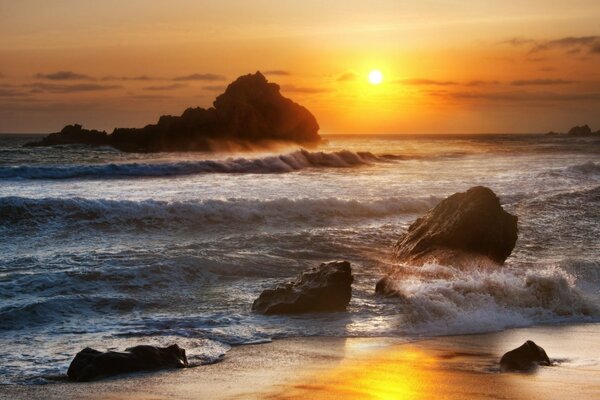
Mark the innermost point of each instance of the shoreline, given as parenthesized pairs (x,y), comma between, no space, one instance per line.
(452,367)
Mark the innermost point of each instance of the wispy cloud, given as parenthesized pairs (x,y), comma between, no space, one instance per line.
(524,97)
(425,82)
(12,91)
(215,88)
(347,76)
(143,78)
(477,82)
(62,88)
(277,72)
(173,86)
(301,89)
(63,76)
(570,44)
(542,82)
(200,77)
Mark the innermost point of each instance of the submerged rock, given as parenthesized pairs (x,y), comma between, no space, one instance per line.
(251,112)
(90,364)
(524,358)
(462,228)
(327,287)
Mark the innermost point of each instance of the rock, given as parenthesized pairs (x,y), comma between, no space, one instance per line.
(74,134)
(251,113)
(460,229)
(319,289)
(90,364)
(524,358)
(583,130)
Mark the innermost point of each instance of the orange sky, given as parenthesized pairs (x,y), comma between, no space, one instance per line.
(449,66)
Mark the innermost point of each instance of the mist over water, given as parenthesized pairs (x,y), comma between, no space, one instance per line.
(107,250)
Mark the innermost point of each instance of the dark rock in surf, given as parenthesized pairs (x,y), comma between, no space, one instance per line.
(251,112)
(90,364)
(327,287)
(524,358)
(465,227)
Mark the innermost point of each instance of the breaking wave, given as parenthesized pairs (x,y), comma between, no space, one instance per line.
(295,161)
(446,300)
(114,214)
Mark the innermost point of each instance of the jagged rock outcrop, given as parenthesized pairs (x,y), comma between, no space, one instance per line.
(251,112)
(524,358)
(327,287)
(90,364)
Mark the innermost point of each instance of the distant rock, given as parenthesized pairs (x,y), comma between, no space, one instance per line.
(90,364)
(463,226)
(319,289)
(71,134)
(524,358)
(251,113)
(583,130)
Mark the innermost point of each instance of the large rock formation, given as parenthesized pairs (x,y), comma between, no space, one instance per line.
(469,224)
(323,288)
(90,364)
(524,358)
(251,112)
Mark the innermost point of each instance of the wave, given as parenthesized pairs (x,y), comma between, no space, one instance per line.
(116,214)
(439,300)
(295,161)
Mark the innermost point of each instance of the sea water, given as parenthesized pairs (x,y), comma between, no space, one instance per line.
(107,249)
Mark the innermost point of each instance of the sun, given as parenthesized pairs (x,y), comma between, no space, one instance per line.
(375,77)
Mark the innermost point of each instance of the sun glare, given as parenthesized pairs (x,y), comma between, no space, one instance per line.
(375,77)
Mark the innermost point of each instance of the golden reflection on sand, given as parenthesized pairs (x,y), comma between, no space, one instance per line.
(393,372)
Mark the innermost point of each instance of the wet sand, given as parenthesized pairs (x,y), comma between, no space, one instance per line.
(451,367)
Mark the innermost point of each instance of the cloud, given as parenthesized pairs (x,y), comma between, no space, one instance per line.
(63,76)
(56,88)
(11,91)
(347,76)
(200,77)
(518,41)
(570,44)
(299,89)
(425,82)
(278,72)
(541,82)
(150,96)
(144,78)
(215,88)
(525,97)
(173,86)
(481,83)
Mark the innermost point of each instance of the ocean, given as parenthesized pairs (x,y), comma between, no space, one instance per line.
(105,249)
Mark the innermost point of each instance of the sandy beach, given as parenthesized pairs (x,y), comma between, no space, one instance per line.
(451,367)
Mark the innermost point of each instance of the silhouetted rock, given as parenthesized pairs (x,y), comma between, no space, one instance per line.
(323,288)
(465,225)
(90,364)
(580,131)
(251,112)
(74,134)
(524,358)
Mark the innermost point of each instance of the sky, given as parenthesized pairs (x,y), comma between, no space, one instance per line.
(473,66)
